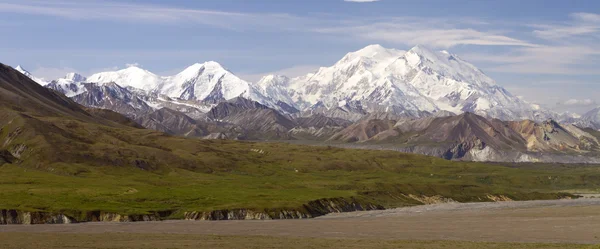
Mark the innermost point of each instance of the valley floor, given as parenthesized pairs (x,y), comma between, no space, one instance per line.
(528,224)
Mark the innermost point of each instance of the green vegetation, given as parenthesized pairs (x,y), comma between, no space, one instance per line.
(77,167)
(57,157)
(73,166)
(175,241)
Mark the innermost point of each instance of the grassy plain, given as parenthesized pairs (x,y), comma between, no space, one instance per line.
(73,165)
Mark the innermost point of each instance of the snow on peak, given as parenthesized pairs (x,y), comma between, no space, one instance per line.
(197,69)
(22,70)
(360,76)
(273,79)
(415,81)
(371,52)
(75,77)
(135,70)
(421,49)
(376,78)
(208,81)
(276,87)
(213,65)
(422,54)
(132,76)
(70,85)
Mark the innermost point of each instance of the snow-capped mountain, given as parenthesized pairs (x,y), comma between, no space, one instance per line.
(590,119)
(207,82)
(403,82)
(193,91)
(132,76)
(361,76)
(277,88)
(414,83)
(113,97)
(40,81)
(70,85)
(129,101)
(74,77)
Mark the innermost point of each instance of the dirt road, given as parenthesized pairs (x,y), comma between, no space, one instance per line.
(560,221)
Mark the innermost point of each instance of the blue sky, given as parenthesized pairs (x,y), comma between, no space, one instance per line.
(546,51)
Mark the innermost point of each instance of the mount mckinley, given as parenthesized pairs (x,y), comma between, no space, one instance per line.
(371,97)
(414,83)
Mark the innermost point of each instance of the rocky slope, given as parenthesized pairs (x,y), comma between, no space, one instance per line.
(18,217)
(32,77)
(173,122)
(590,119)
(70,85)
(317,127)
(112,97)
(310,210)
(257,120)
(472,137)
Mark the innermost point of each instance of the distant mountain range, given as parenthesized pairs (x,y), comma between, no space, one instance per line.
(422,101)
(414,83)
(472,137)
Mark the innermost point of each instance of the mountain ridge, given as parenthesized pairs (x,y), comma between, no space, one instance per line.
(418,82)
(466,136)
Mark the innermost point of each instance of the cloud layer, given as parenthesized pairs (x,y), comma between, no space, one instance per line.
(578,102)
(542,48)
(566,47)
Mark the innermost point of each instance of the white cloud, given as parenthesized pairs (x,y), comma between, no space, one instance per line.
(581,24)
(135,64)
(547,59)
(52,73)
(361,1)
(578,102)
(434,32)
(437,33)
(569,47)
(111,11)
(553,32)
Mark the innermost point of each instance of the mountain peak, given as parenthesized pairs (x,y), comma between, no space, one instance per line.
(132,76)
(423,51)
(370,55)
(373,47)
(212,64)
(373,50)
(197,69)
(274,78)
(31,97)
(134,68)
(74,77)
(22,70)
